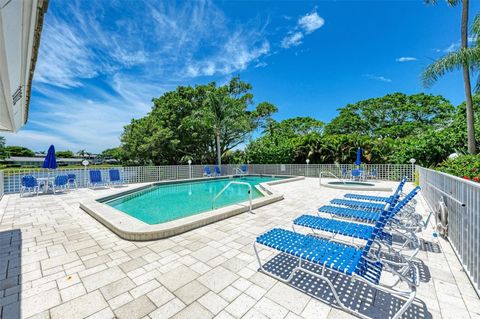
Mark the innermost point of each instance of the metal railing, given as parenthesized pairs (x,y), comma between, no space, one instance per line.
(144,174)
(328,173)
(462,199)
(250,193)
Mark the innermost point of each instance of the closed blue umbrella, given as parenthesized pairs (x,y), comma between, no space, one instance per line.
(358,161)
(50,160)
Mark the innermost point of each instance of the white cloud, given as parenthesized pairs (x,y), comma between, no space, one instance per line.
(406,59)
(234,55)
(73,122)
(454,46)
(378,78)
(305,25)
(261,64)
(292,40)
(311,22)
(65,57)
(94,74)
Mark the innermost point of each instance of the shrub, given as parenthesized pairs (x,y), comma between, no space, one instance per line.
(465,166)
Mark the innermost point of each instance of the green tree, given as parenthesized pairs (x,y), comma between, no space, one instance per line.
(3,152)
(282,141)
(19,151)
(111,153)
(394,115)
(465,59)
(64,154)
(219,106)
(188,122)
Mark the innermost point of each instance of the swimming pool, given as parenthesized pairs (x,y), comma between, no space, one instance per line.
(168,208)
(161,203)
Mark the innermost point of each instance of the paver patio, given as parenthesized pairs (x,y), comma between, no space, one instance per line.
(58,262)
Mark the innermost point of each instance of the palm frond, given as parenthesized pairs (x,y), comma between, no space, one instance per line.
(451,3)
(476,26)
(450,62)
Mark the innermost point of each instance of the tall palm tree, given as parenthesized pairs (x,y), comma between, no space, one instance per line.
(218,102)
(465,58)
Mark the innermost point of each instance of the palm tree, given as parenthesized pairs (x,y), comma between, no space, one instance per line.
(218,103)
(465,58)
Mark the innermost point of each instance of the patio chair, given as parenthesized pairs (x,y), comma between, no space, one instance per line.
(30,183)
(322,258)
(217,170)
(373,174)
(356,174)
(352,229)
(115,177)
(60,183)
(96,178)
(72,181)
(387,199)
(364,215)
(361,204)
(244,169)
(207,171)
(344,173)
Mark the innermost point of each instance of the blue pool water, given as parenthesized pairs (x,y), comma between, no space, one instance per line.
(162,203)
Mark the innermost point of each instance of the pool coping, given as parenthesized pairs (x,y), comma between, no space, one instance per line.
(358,188)
(130,228)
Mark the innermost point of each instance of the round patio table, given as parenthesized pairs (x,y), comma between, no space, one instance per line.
(45,181)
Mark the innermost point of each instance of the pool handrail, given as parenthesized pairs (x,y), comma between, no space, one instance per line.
(239,171)
(330,173)
(227,186)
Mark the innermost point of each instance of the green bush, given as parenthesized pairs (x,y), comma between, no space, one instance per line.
(465,166)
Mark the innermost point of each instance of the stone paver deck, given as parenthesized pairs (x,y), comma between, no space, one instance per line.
(58,262)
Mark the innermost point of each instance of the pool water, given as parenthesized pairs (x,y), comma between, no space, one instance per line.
(163,203)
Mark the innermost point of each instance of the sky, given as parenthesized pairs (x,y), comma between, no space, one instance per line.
(101,62)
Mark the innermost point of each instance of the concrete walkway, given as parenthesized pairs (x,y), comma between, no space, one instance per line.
(58,262)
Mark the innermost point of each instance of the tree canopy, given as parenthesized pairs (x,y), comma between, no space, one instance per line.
(19,151)
(182,124)
(64,154)
(389,129)
(394,115)
(3,151)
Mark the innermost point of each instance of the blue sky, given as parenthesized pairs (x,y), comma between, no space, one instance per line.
(101,62)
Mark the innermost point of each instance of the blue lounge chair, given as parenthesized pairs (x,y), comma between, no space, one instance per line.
(387,199)
(72,181)
(359,204)
(115,177)
(363,215)
(207,172)
(60,183)
(359,264)
(351,229)
(96,178)
(218,172)
(28,183)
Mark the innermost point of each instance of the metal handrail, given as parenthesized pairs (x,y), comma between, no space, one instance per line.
(227,186)
(238,171)
(320,177)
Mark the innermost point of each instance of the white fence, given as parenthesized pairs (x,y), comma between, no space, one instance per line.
(142,174)
(462,198)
